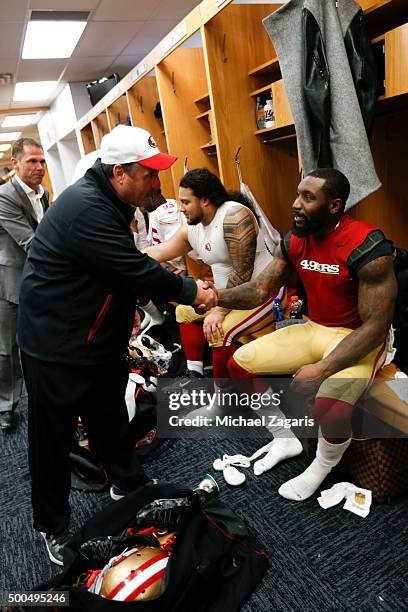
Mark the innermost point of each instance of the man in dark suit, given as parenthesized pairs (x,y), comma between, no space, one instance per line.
(23,201)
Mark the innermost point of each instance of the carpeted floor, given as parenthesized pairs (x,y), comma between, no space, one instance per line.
(320,560)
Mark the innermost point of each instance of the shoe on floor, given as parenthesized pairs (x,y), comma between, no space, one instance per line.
(190,376)
(117,493)
(186,383)
(55,545)
(6,420)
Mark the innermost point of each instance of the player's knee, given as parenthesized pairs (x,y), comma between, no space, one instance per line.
(185,314)
(235,367)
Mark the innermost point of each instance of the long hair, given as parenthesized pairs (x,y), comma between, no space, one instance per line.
(205,184)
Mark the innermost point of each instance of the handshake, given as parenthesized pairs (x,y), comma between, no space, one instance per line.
(206,298)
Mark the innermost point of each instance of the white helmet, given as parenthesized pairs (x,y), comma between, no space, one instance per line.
(144,351)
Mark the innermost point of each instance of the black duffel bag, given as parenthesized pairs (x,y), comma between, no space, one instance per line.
(215,565)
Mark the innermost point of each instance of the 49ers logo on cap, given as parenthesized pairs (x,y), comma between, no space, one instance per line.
(207,246)
(152,142)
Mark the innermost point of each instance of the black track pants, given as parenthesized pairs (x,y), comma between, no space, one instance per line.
(57,395)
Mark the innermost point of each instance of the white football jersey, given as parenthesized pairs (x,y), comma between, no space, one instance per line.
(208,241)
(165,221)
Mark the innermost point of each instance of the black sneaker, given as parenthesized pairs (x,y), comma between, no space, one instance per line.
(117,493)
(55,545)
(190,377)
(189,381)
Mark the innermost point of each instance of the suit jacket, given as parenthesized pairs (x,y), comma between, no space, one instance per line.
(324,54)
(17,226)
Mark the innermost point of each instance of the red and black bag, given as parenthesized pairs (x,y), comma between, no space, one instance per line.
(215,565)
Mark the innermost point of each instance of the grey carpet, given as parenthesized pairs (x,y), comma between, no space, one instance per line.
(320,560)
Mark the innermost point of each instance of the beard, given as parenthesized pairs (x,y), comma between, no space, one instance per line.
(193,221)
(194,218)
(307,228)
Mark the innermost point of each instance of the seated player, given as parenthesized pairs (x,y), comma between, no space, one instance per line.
(226,236)
(346,267)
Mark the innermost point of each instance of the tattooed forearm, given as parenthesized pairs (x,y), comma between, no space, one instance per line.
(246,296)
(240,237)
(256,292)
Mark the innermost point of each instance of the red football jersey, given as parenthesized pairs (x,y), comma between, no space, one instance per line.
(322,267)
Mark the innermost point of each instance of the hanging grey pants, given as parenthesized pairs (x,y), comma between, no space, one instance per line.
(11,376)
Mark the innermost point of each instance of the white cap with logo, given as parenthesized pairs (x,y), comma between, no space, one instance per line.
(126,144)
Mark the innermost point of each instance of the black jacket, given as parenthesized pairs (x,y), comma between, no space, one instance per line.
(316,80)
(82,276)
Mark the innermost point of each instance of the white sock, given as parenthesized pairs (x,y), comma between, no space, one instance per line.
(154,312)
(284,445)
(327,457)
(196,366)
(279,449)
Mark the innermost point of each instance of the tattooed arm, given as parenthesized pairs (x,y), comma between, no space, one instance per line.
(240,235)
(257,291)
(376,299)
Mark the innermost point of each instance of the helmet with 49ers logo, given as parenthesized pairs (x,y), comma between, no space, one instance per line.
(137,574)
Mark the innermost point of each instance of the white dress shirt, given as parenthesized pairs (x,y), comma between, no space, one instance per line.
(34,197)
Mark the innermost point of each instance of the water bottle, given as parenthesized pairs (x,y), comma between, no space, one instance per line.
(269,114)
(295,308)
(207,488)
(278,310)
(260,114)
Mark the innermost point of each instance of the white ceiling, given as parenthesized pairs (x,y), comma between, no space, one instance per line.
(119,33)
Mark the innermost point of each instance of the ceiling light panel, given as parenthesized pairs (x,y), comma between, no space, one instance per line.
(33,90)
(9,136)
(51,39)
(18,120)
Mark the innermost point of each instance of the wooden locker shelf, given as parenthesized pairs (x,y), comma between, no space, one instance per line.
(204,115)
(385,15)
(205,98)
(261,90)
(392,104)
(378,39)
(100,127)
(275,133)
(266,68)
(87,138)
